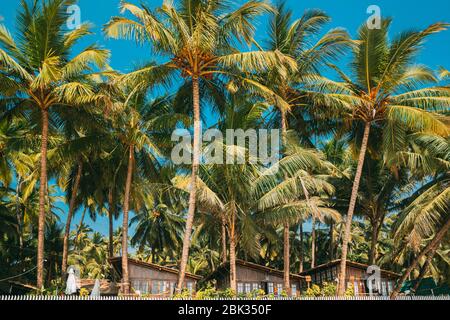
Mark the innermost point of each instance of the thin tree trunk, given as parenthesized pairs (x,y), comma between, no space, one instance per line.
(331,249)
(429,248)
(233,280)
(224,241)
(313,241)
(19,215)
(111,215)
(373,243)
(73,198)
(351,209)
(286,244)
(301,247)
(425,268)
(42,192)
(193,185)
(81,220)
(286,280)
(126,206)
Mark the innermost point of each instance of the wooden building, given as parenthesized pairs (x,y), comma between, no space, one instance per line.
(356,274)
(251,276)
(153,279)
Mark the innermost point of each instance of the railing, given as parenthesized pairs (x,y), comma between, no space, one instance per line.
(129,298)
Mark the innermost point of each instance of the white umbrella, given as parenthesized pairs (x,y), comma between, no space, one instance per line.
(96,290)
(71,285)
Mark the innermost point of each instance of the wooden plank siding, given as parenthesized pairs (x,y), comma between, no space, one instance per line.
(152,279)
(356,274)
(251,276)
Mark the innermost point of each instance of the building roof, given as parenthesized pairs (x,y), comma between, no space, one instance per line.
(225,267)
(353,264)
(116,261)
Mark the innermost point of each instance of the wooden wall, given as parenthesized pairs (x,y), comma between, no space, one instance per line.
(152,281)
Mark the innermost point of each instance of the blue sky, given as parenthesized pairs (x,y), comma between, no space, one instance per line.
(349,14)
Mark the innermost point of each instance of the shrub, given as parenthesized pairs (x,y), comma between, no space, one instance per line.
(84,292)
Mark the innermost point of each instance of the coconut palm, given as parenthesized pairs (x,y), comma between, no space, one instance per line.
(84,138)
(387,91)
(424,218)
(158,227)
(39,73)
(201,40)
(293,38)
(141,126)
(300,172)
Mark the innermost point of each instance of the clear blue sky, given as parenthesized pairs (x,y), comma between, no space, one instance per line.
(349,14)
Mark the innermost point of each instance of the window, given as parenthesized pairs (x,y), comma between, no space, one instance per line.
(323,276)
(144,287)
(313,278)
(279,289)
(190,286)
(248,287)
(255,286)
(135,284)
(383,288)
(390,287)
(294,289)
(156,287)
(172,287)
(270,287)
(240,287)
(356,288)
(334,274)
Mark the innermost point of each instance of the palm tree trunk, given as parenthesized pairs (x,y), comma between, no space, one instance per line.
(286,244)
(111,215)
(331,249)
(313,241)
(19,215)
(72,203)
(351,209)
(42,192)
(425,269)
(373,243)
(301,247)
(286,247)
(233,280)
(126,206)
(193,185)
(224,240)
(429,248)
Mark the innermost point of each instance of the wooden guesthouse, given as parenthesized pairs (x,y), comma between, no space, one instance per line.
(152,279)
(251,276)
(356,274)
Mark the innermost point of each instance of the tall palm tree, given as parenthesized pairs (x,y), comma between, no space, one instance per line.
(387,92)
(141,127)
(200,39)
(301,172)
(40,75)
(293,38)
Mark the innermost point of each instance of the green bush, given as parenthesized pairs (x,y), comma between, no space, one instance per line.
(350,292)
(328,289)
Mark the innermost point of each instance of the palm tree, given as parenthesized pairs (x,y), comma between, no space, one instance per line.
(301,172)
(293,38)
(38,73)
(158,227)
(387,92)
(141,126)
(200,39)
(424,218)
